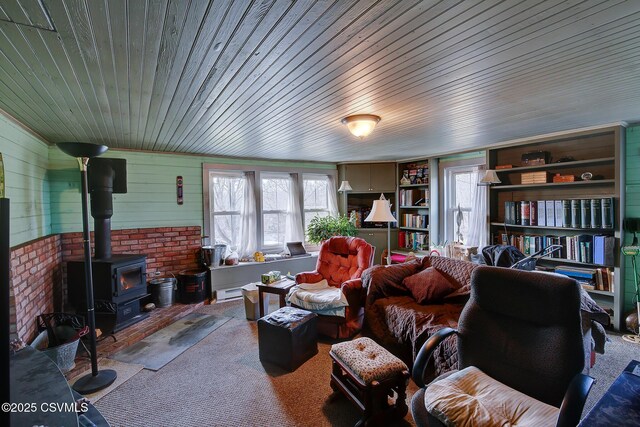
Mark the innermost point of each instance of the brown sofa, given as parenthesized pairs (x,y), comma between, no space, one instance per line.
(396,321)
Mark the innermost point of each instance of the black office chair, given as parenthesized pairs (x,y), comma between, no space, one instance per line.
(522,329)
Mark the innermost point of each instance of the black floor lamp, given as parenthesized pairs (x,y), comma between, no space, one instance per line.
(96,380)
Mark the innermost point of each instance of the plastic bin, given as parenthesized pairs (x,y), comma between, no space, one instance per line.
(250,295)
(192,286)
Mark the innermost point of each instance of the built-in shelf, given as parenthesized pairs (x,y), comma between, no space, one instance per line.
(413,185)
(593,183)
(414,207)
(562,165)
(413,229)
(542,227)
(604,293)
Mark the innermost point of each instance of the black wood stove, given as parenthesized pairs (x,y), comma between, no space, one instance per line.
(119,281)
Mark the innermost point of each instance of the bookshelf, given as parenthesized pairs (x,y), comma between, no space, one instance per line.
(414,205)
(526,178)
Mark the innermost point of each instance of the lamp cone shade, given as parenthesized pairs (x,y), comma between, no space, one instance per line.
(361,125)
(380,212)
(490,177)
(344,186)
(82,149)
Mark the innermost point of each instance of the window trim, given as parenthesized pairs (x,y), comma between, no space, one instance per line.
(208,220)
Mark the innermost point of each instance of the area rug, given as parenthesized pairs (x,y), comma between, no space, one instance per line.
(124,371)
(160,348)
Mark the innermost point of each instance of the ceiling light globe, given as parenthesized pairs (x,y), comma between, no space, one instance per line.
(361,125)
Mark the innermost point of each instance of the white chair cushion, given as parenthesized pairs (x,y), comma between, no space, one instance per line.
(472,398)
(327,300)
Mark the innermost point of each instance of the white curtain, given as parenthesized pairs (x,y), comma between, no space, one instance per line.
(332,195)
(249,218)
(478,215)
(294,231)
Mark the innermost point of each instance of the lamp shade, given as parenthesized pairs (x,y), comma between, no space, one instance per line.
(490,177)
(361,125)
(344,186)
(381,211)
(82,149)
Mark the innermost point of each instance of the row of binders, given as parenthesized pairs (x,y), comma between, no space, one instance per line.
(568,213)
(584,248)
(598,279)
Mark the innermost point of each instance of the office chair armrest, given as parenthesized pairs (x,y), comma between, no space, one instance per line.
(573,402)
(426,353)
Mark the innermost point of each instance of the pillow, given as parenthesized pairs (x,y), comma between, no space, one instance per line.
(428,286)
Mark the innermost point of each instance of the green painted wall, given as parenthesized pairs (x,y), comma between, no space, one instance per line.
(25,164)
(632,208)
(151,197)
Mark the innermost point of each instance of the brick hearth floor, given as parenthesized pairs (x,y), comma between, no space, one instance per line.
(158,319)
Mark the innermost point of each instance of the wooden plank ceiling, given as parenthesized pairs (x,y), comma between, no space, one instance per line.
(273,78)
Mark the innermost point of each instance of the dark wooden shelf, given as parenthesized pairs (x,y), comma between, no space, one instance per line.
(413,185)
(592,183)
(414,207)
(563,165)
(541,227)
(414,229)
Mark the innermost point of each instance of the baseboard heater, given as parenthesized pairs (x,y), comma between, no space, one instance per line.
(227,294)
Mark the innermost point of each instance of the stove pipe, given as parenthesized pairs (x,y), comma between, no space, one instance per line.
(106,176)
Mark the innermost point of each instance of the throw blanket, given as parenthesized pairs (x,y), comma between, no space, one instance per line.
(319,298)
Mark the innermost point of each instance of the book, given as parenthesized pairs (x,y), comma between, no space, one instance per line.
(507,213)
(575,213)
(559,214)
(596,213)
(524,213)
(585,213)
(585,242)
(566,213)
(541,210)
(517,219)
(551,215)
(606,206)
(533,213)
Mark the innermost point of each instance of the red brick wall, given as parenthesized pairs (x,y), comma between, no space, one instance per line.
(37,274)
(36,283)
(168,249)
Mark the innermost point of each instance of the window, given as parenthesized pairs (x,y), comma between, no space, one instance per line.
(316,197)
(226,199)
(275,202)
(459,183)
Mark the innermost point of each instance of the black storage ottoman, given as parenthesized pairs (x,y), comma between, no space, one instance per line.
(288,337)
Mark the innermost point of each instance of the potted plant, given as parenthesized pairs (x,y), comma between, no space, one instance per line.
(321,228)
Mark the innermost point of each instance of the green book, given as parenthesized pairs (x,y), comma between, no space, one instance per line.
(606,206)
(596,213)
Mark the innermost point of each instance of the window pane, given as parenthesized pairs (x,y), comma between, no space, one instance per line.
(274,226)
(463,190)
(227,193)
(226,229)
(308,216)
(275,193)
(315,193)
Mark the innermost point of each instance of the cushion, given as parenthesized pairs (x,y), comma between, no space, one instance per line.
(428,286)
(319,300)
(368,360)
(470,394)
(322,284)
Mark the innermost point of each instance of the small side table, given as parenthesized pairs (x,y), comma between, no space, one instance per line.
(620,405)
(281,288)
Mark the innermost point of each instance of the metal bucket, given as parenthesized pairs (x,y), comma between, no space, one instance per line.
(213,256)
(162,291)
(62,355)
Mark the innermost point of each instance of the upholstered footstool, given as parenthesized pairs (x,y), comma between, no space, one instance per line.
(288,337)
(369,375)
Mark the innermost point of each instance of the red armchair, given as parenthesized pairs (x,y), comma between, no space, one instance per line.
(341,262)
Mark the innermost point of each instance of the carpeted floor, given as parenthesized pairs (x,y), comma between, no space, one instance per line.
(221,382)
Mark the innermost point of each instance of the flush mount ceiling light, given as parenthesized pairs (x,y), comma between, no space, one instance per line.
(361,125)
